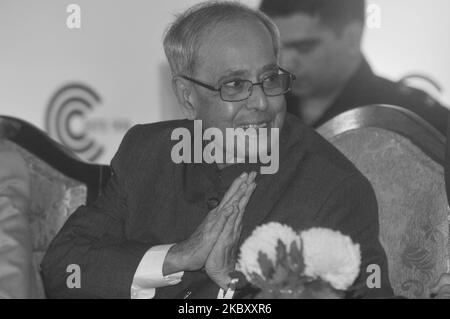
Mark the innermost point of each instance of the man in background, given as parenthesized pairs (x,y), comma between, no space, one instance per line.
(321,44)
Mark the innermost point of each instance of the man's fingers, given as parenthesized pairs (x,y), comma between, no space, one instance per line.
(251,178)
(234,188)
(245,199)
(225,217)
(238,223)
(238,188)
(236,197)
(217,223)
(219,218)
(242,205)
(231,231)
(232,220)
(229,224)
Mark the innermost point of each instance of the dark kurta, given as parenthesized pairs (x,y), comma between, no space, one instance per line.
(366,88)
(151,201)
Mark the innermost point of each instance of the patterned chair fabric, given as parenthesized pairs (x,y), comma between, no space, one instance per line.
(54,195)
(53,198)
(413,208)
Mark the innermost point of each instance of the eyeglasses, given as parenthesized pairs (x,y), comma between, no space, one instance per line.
(240,90)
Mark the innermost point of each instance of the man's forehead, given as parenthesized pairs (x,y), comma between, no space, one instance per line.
(217,71)
(234,49)
(244,70)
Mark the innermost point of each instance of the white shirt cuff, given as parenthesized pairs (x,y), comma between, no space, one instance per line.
(229,293)
(225,295)
(149,274)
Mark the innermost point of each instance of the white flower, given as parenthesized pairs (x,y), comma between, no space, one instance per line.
(331,256)
(265,239)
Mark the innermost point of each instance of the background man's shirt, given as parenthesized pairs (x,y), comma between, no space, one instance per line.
(366,88)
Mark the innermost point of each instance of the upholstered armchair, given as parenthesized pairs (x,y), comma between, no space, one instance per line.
(60,182)
(402,156)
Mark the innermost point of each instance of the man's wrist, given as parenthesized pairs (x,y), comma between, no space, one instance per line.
(149,274)
(174,261)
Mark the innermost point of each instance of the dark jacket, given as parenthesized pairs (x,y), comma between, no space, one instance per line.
(150,201)
(366,88)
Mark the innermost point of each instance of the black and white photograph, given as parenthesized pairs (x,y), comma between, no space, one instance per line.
(237,151)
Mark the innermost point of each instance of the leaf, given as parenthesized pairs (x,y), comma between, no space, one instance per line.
(265,264)
(281,251)
(282,257)
(296,257)
(280,277)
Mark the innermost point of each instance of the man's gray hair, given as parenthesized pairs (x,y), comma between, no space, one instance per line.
(182,38)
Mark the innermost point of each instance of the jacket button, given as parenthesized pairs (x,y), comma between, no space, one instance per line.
(212,203)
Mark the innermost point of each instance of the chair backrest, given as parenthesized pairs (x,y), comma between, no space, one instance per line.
(403,157)
(60,182)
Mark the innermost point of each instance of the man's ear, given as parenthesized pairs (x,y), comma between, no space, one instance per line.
(352,36)
(183,91)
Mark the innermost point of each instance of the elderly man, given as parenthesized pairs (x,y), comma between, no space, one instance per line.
(321,43)
(169,229)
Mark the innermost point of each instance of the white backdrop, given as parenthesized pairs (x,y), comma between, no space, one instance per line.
(117,54)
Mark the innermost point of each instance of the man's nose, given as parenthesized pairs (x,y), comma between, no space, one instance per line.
(257,99)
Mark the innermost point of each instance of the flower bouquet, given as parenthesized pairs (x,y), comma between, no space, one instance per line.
(282,264)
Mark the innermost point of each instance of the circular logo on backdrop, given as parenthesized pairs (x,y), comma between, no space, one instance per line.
(65,117)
